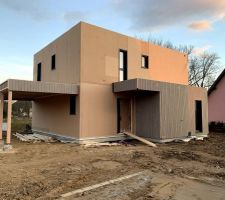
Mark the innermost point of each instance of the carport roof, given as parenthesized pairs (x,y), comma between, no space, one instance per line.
(30,90)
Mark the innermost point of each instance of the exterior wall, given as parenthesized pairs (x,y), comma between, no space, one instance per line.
(88,55)
(67,51)
(177,107)
(100,68)
(195,93)
(216,102)
(100,63)
(98,110)
(173,111)
(52,115)
(148,115)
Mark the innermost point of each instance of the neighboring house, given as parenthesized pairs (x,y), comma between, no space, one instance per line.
(92,83)
(216,99)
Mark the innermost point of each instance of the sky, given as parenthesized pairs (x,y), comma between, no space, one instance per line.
(26,26)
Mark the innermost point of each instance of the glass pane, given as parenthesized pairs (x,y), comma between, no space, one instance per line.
(121,60)
(143,61)
(121,75)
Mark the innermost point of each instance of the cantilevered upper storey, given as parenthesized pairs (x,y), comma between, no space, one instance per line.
(91,54)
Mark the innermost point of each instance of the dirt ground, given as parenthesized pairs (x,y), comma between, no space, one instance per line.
(194,170)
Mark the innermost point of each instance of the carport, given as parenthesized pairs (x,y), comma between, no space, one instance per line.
(28,91)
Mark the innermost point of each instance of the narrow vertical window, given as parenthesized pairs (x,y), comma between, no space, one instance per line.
(39,72)
(122,65)
(72,105)
(53,62)
(144,62)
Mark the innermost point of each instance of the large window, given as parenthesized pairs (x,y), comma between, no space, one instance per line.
(144,61)
(39,72)
(72,105)
(123,65)
(53,62)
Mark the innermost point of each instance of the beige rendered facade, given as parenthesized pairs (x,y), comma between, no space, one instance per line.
(122,84)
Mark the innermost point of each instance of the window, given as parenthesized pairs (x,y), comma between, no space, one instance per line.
(39,72)
(72,105)
(122,65)
(144,62)
(53,62)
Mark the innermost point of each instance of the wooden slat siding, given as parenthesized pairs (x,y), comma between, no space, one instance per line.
(176,105)
(4,85)
(42,87)
(148,115)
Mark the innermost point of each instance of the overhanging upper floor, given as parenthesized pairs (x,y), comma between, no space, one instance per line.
(145,85)
(31,90)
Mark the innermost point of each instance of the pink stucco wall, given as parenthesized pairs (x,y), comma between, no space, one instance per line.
(217,102)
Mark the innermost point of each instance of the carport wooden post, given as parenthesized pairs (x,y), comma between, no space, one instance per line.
(1,113)
(9,116)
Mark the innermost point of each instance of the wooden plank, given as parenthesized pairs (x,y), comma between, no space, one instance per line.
(9,118)
(1,113)
(140,139)
(100,185)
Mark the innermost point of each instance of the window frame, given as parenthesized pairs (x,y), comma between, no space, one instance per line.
(53,62)
(72,104)
(146,61)
(124,68)
(39,71)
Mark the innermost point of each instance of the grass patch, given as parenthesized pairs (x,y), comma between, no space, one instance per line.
(19,124)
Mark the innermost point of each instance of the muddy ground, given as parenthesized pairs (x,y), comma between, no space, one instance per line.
(194,170)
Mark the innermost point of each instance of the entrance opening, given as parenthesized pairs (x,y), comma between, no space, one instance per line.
(123,115)
(198,116)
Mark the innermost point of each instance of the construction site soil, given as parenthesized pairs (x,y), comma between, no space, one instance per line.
(194,170)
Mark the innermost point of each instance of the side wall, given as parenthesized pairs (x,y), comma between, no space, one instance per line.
(195,93)
(67,51)
(216,102)
(52,115)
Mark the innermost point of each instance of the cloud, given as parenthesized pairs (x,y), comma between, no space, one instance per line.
(72,16)
(200,50)
(32,8)
(146,15)
(201,25)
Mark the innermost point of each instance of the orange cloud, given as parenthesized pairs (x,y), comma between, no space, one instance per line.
(201,25)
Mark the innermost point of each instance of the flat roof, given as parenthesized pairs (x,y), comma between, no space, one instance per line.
(147,85)
(30,90)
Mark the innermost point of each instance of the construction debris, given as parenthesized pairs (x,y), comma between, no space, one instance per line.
(140,139)
(98,144)
(34,138)
(189,138)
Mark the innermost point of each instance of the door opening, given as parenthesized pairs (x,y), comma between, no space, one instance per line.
(123,115)
(198,116)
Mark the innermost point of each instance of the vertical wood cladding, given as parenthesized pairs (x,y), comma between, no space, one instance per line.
(176,108)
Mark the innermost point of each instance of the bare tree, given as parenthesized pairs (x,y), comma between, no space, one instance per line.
(203,68)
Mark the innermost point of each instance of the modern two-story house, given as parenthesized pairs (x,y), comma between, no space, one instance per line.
(94,84)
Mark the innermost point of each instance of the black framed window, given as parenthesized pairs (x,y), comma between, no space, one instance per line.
(73,105)
(144,61)
(122,65)
(53,62)
(39,72)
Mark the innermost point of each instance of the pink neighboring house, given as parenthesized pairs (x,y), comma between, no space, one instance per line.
(216,99)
